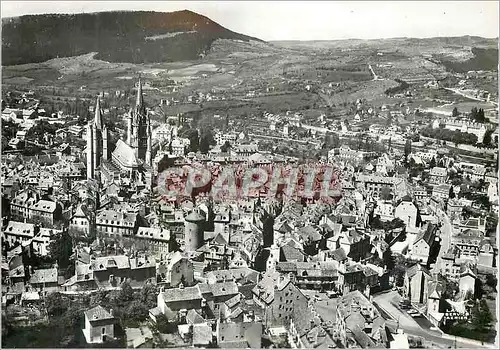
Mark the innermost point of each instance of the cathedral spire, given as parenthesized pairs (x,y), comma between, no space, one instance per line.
(98,114)
(139,101)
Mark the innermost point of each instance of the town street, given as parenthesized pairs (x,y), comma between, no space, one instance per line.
(446,234)
(387,301)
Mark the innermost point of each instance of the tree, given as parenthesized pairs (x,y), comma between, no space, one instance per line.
(480,116)
(164,326)
(482,317)
(41,128)
(491,281)
(487,137)
(126,293)
(478,289)
(99,298)
(407,148)
(56,304)
(432,163)
(173,245)
(225,147)
(148,295)
(192,135)
(204,145)
(61,249)
(137,311)
(450,287)
(388,259)
(451,194)
(385,193)
(454,113)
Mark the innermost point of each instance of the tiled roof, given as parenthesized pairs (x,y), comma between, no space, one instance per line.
(339,254)
(438,171)
(202,334)
(225,288)
(412,271)
(153,233)
(20,229)
(310,233)
(44,276)
(232,274)
(98,313)
(112,217)
(292,253)
(184,294)
(194,317)
(125,155)
(428,235)
(117,261)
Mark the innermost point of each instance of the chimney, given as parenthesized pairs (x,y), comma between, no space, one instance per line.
(111,312)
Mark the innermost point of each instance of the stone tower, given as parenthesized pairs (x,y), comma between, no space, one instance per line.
(193,231)
(138,128)
(95,142)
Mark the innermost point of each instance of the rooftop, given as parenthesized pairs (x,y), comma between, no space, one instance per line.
(98,313)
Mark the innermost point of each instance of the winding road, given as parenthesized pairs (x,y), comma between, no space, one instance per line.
(375,76)
(387,301)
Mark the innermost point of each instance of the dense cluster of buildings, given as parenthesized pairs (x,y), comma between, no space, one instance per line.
(233,271)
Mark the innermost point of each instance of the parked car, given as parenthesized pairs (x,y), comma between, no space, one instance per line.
(332,294)
(413,312)
(405,304)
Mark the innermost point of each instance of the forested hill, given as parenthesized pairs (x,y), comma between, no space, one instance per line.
(135,37)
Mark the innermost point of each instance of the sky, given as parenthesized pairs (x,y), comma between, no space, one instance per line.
(308,20)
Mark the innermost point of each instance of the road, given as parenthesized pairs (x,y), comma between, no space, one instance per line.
(387,302)
(446,234)
(325,307)
(375,76)
(460,92)
(284,139)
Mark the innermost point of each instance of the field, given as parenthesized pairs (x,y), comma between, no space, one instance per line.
(465,107)
(248,78)
(481,59)
(368,90)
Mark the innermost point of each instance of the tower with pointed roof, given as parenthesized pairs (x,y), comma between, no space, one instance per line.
(138,126)
(96,139)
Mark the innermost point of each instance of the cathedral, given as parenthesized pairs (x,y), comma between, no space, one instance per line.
(130,161)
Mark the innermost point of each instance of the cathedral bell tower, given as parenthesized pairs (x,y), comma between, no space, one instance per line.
(138,128)
(96,139)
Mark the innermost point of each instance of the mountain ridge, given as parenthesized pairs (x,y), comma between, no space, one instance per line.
(117,36)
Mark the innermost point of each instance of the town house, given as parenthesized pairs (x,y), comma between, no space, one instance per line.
(282,303)
(99,325)
(416,284)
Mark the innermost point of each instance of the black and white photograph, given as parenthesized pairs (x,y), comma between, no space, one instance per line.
(249,174)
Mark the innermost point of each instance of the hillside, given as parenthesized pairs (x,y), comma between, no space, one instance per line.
(134,37)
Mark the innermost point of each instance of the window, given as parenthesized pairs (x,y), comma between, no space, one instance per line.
(103,330)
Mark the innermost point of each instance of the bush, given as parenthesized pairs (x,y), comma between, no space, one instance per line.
(491,281)
(164,326)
